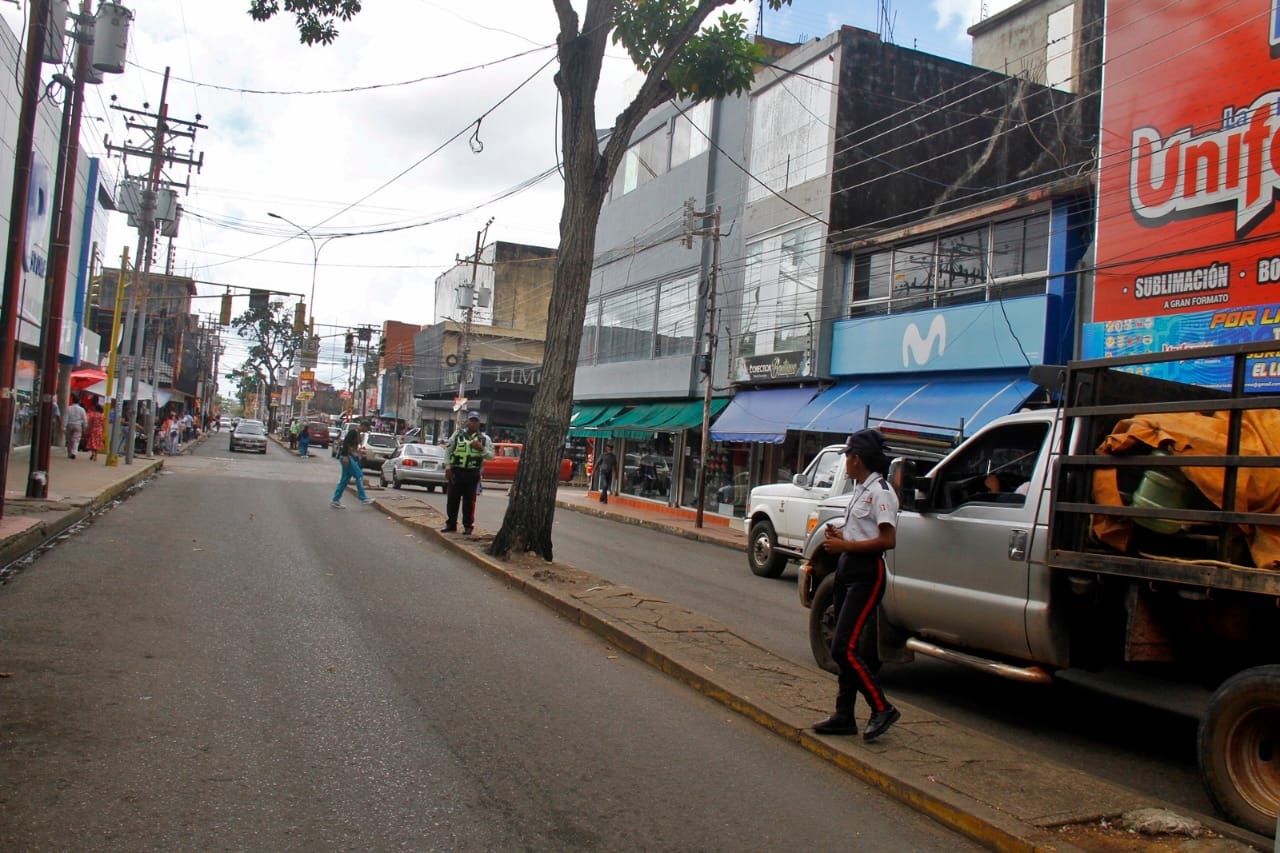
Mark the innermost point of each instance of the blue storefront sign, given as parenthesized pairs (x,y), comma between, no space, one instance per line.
(982,336)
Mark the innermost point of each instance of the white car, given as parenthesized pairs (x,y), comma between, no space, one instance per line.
(415,464)
(249,435)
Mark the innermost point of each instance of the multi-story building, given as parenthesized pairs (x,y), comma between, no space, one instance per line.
(906,230)
(486,344)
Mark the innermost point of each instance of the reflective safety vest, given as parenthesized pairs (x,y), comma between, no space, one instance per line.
(463,454)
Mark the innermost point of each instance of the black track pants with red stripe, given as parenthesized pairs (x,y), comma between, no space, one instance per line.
(859,586)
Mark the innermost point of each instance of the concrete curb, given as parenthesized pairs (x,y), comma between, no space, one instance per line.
(558,587)
(47,529)
(649,524)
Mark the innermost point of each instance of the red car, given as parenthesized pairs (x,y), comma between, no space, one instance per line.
(506,458)
(318,433)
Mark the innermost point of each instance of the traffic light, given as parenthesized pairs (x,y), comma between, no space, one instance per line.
(225,317)
(300,318)
(95,291)
(350,343)
(382,347)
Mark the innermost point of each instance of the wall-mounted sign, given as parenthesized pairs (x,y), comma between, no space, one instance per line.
(984,335)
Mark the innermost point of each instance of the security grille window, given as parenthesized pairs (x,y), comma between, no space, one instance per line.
(996,261)
(781,284)
(677,316)
(627,325)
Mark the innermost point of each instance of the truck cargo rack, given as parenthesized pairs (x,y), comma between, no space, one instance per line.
(1097,394)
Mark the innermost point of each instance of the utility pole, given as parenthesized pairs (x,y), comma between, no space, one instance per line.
(708,364)
(149,215)
(465,344)
(37,27)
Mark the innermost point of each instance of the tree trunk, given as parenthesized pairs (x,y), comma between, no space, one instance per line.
(532,504)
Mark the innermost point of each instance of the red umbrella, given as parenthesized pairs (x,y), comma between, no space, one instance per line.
(85,377)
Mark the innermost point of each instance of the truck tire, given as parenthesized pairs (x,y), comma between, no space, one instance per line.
(822,624)
(762,551)
(1239,748)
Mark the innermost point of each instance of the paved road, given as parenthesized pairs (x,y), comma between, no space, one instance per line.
(1148,746)
(224,661)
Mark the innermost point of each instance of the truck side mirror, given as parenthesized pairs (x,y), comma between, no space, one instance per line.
(902,476)
(799,480)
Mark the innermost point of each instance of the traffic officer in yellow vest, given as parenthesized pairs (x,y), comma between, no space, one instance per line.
(465,454)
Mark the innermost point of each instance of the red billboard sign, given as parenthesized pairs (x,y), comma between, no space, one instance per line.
(1190,160)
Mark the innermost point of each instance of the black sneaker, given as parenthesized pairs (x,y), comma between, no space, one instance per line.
(466,531)
(449,528)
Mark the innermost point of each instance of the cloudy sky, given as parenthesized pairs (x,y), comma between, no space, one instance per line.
(375,134)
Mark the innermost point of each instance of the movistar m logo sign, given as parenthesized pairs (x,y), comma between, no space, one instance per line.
(918,348)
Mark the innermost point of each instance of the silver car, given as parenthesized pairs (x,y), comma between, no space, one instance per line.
(417,464)
(376,448)
(249,435)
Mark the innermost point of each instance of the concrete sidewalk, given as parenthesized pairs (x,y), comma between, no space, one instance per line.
(77,489)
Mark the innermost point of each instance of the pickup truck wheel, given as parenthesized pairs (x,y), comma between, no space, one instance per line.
(1239,746)
(822,624)
(762,551)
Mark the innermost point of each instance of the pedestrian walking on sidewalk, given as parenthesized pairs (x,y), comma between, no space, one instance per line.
(350,469)
(172,433)
(93,433)
(868,530)
(606,466)
(465,455)
(304,440)
(74,425)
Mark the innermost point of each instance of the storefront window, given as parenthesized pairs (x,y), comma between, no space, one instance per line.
(647,467)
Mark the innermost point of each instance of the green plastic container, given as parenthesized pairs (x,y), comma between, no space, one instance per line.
(1162,488)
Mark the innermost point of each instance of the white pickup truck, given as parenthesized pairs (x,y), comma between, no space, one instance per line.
(1136,528)
(778,515)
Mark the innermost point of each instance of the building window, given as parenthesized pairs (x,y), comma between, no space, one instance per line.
(677,317)
(994,261)
(644,161)
(627,324)
(781,284)
(589,346)
(690,135)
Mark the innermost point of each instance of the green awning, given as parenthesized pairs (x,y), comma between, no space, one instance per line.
(639,421)
(586,417)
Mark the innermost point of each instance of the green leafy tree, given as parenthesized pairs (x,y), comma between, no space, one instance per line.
(681,57)
(273,348)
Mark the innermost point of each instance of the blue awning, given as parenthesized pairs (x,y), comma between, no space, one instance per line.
(939,404)
(761,415)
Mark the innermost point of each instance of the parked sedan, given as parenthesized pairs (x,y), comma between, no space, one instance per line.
(416,464)
(249,435)
(376,448)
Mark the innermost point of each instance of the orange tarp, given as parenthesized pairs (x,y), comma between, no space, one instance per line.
(1194,434)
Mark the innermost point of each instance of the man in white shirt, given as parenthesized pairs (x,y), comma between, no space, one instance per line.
(74,423)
